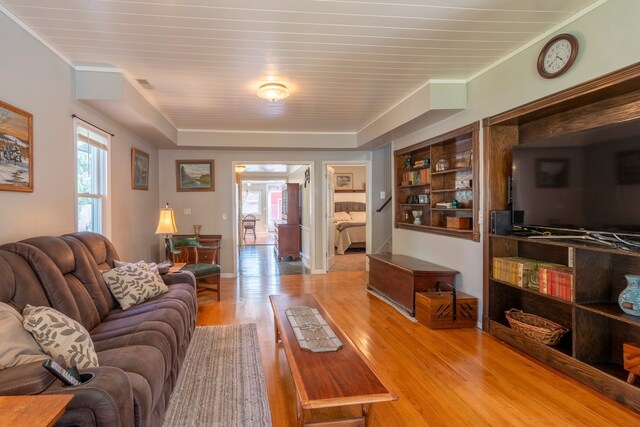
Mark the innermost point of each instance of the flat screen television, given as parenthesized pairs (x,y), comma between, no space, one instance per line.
(588,180)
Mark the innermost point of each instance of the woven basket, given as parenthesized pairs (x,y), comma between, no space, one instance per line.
(535,327)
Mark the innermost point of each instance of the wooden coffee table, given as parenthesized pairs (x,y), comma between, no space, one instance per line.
(331,379)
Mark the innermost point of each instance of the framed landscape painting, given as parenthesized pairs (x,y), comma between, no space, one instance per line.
(195,175)
(344,181)
(139,170)
(16,149)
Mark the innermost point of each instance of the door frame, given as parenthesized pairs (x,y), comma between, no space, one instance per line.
(368,173)
(235,209)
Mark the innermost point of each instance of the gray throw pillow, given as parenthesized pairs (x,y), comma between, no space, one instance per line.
(132,284)
(17,346)
(60,335)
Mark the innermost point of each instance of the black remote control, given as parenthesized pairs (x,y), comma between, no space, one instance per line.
(57,371)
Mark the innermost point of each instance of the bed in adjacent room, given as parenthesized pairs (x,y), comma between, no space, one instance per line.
(350,222)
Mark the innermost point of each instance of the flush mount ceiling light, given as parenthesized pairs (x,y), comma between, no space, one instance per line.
(240,168)
(273,91)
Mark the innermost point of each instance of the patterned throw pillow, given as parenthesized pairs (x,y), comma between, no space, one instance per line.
(17,346)
(59,335)
(132,285)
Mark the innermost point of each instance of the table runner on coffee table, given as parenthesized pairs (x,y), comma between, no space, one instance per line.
(311,330)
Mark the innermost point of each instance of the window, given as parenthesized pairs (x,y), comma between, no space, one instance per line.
(251,204)
(92,148)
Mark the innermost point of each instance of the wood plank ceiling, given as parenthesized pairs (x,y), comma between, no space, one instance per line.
(345,61)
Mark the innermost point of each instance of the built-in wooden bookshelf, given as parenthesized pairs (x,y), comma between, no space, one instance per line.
(422,186)
(591,351)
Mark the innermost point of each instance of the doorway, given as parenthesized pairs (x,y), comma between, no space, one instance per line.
(259,207)
(347,220)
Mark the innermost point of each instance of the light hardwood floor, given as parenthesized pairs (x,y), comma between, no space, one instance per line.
(458,377)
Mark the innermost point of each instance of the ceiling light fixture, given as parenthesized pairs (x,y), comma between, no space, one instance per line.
(240,168)
(273,91)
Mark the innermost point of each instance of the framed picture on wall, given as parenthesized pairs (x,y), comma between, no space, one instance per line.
(139,170)
(344,181)
(16,149)
(195,175)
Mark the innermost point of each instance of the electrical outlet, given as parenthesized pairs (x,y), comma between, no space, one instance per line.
(224,216)
(187,211)
(383,195)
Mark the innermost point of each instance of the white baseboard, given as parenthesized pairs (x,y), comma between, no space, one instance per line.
(317,271)
(227,275)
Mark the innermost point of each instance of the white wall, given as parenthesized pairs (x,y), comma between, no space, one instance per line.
(34,79)
(608,38)
(208,208)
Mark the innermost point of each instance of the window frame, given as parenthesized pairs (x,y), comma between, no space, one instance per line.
(104,176)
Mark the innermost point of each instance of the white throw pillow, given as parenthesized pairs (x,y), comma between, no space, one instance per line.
(358,216)
(341,216)
(60,335)
(17,346)
(132,285)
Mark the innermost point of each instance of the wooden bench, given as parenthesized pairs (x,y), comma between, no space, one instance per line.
(332,379)
(399,277)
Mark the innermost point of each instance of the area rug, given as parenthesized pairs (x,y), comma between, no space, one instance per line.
(221,382)
(349,262)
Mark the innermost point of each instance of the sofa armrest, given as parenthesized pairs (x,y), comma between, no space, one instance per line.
(31,378)
(179,277)
(106,400)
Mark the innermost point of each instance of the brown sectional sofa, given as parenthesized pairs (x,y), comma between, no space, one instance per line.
(140,350)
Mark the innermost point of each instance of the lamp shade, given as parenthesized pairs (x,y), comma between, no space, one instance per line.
(167,222)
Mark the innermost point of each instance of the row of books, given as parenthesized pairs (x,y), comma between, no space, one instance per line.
(547,278)
(416,177)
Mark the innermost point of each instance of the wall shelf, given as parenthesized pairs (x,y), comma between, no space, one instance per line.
(457,147)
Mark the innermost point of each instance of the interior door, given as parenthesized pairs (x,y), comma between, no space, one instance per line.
(331,234)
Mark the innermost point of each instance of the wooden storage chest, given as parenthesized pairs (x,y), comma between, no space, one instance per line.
(436,310)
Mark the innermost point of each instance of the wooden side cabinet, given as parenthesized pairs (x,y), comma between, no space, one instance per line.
(287,238)
(399,277)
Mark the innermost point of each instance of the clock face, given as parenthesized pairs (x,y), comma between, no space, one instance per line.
(557,56)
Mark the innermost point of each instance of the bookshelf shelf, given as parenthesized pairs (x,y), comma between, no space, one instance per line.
(456,183)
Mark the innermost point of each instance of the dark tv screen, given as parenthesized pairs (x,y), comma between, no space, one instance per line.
(588,180)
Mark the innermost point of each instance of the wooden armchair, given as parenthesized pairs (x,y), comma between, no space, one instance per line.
(201,255)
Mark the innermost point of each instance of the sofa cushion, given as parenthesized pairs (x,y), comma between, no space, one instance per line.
(17,345)
(132,285)
(59,335)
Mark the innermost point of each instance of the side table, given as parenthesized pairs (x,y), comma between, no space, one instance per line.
(32,411)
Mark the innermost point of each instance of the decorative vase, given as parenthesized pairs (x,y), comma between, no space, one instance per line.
(196,229)
(629,298)
(442,165)
(416,216)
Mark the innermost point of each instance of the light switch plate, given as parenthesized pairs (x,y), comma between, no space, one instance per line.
(187,211)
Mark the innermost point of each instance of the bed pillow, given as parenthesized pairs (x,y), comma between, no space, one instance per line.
(132,284)
(60,336)
(358,216)
(341,216)
(17,345)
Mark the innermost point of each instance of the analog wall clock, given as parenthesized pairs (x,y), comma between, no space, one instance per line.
(557,56)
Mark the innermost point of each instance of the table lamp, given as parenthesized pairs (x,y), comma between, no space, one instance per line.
(166,226)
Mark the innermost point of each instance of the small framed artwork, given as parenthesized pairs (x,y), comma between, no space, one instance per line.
(139,170)
(195,175)
(628,167)
(16,149)
(552,173)
(344,181)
